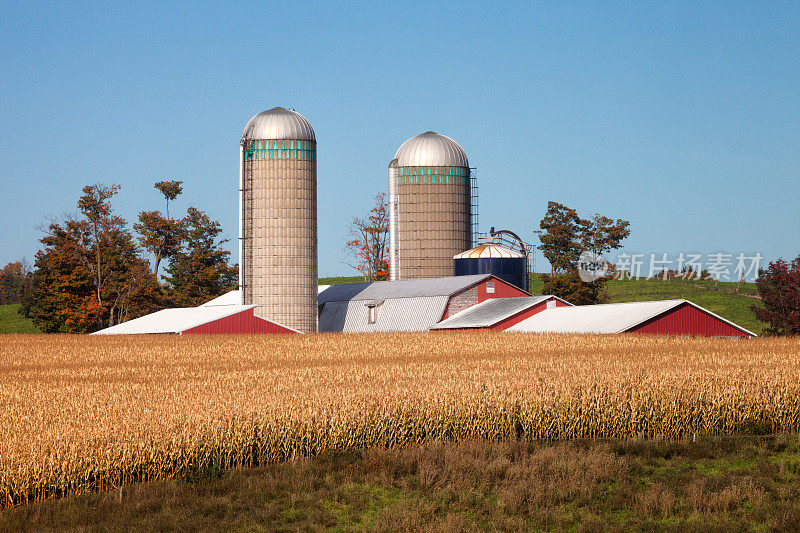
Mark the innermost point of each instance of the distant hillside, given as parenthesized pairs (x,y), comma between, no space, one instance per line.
(728,300)
(12,322)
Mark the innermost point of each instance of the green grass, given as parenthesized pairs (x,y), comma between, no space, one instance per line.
(336,280)
(728,300)
(719,484)
(12,322)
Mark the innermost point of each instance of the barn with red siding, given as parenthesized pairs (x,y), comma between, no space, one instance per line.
(406,305)
(223,315)
(499,313)
(663,317)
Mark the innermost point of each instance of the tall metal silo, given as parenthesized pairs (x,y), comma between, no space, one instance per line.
(429,207)
(278,218)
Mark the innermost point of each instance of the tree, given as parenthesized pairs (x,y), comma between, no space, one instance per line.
(779,287)
(159,234)
(601,234)
(571,288)
(367,246)
(90,274)
(14,282)
(566,236)
(199,270)
(561,239)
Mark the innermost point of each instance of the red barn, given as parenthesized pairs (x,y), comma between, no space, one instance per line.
(406,305)
(664,317)
(219,316)
(499,313)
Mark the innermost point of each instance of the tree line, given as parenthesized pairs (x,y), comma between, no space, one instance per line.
(92,271)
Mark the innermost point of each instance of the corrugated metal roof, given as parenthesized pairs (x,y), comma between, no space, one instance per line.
(486,251)
(278,123)
(431,149)
(397,314)
(174,320)
(605,318)
(490,312)
(406,288)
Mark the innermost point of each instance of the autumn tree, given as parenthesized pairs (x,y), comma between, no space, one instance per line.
(199,270)
(560,242)
(566,235)
(367,247)
(15,281)
(159,234)
(90,274)
(779,288)
(601,234)
(570,287)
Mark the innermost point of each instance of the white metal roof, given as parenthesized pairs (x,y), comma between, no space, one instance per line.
(486,251)
(406,288)
(490,312)
(431,149)
(229,298)
(605,318)
(278,123)
(398,314)
(174,320)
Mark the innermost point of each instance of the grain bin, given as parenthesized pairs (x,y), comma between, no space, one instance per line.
(509,265)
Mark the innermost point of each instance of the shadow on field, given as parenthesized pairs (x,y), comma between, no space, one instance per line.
(718,484)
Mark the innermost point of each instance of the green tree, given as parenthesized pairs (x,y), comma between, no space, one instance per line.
(779,287)
(199,270)
(159,234)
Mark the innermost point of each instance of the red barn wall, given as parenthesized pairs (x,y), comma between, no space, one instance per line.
(687,320)
(477,294)
(244,322)
(527,313)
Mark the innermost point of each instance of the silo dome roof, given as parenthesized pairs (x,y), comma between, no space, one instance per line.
(431,149)
(279,123)
(489,250)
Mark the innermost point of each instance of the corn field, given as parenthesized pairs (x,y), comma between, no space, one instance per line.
(80,414)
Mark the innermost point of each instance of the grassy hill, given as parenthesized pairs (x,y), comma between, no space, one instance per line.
(12,322)
(728,300)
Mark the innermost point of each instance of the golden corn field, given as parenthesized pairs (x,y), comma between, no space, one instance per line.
(79,413)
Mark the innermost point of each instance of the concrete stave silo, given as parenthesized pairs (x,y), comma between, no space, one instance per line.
(278,218)
(429,207)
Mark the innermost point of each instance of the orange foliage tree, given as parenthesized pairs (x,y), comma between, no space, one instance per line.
(90,274)
(368,244)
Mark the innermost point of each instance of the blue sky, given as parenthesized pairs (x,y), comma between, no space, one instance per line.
(683,118)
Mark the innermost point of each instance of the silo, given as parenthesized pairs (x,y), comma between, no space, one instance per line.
(429,207)
(278,217)
(509,265)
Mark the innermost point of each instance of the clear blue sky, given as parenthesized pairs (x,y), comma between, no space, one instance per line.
(682,117)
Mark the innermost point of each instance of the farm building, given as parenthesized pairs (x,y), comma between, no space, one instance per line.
(499,313)
(220,315)
(405,305)
(664,317)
